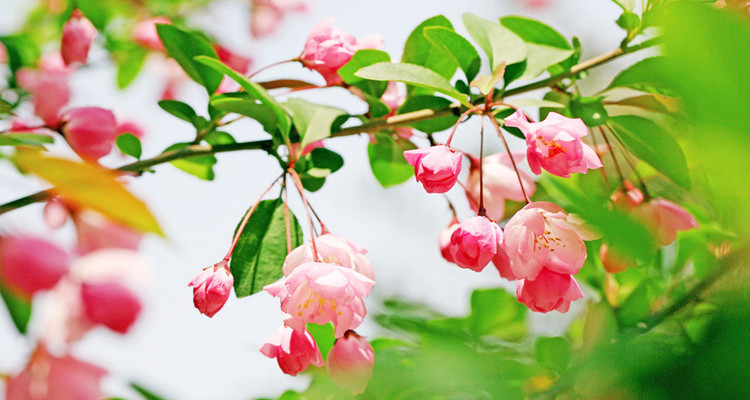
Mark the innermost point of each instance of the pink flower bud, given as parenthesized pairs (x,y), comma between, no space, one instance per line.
(49,88)
(130,127)
(235,61)
(350,362)
(90,131)
(614,262)
(555,144)
(445,240)
(331,249)
(549,291)
(94,232)
(321,293)
(267,14)
(475,243)
(111,305)
(55,214)
(436,167)
(293,350)
(665,218)
(500,183)
(145,34)
(627,197)
(77,35)
(47,377)
(211,288)
(327,49)
(28,265)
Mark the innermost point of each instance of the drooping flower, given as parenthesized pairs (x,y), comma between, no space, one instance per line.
(110,304)
(500,183)
(320,293)
(145,33)
(627,197)
(444,240)
(665,218)
(211,288)
(331,249)
(293,350)
(436,167)
(555,144)
(29,265)
(350,362)
(90,131)
(549,291)
(77,36)
(475,243)
(542,235)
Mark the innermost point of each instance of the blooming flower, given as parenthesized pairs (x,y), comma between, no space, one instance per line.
(350,362)
(331,249)
(665,218)
(321,293)
(77,35)
(90,131)
(211,288)
(500,182)
(445,239)
(549,291)
(555,144)
(293,350)
(475,243)
(436,167)
(29,265)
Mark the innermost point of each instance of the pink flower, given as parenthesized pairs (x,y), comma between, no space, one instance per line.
(436,167)
(55,213)
(145,34)
(445,240)
(49,87)
(555,144)
(47,377)
(321,293)
(475,243)
(293,350)
(614,261)
(111,305)
(211,288)
(665,218)
(130,127)
(542,235)
(350,362)
(627,197)
(500,183)
(549,291)
(77,36)
(267,14)
(97,232)
(393,97)
(331,249)
(235,61)
(90,131)
(29,265)
(502,264)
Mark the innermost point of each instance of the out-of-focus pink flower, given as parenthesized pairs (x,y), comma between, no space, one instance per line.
(321,293)
(500,183)
(549,291)
(3,54)
(235,61)
(267,14)
(542,235)
(90,131)
(29,265)
(145,34)
(55,213)
(211,288)
(130,127)
(665,218)
(614,261)
(436,167)
(175,77)
(393,97)
(555,144)
(444,240)
(627,197)
(49,87)
(110,304)
(331,249)
(47,377)
(350,362)
(293,350)
(294,148)
(77,36)
(96,232)
(537,4)
(373,41)
(475,243)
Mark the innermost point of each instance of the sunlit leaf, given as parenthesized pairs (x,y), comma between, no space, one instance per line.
(413,75)
(184,46)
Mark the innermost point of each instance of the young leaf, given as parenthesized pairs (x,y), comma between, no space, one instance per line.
(245,105)
(201,166)
(184,46)
(499,43)
(458,48)
(129,144)
(129,62)
(545,47)
(18,308)
(485,83)
(313,121)
(262,248)
(387,160)
(90,186)
(650,102)
(178,109)
(361,59)
(418,50)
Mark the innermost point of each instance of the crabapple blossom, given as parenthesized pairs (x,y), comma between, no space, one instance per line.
(48,86)
(541,235)
(475,242)
(55,213)
(267,14)
(500,183)
(555,144)
(130,127)
(320,293)
(665,218)
(436,167)
(627,197)
(331,249)
(29,265)
(549,291)
(502,264)
(615,261)
(211,288)
(95,231)
(445,239)
(110,304)
(90,131)
(293,350)
(77,35)
(145,34)
(350,362)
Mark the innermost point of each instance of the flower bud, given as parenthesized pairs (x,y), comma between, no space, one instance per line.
(211,288)
(627,197)
(111,305)
(614,262)
(549,291)
(145,33)
(55,213)
(28,265)
(475,243)
(436,167)
(350,362)
(90,131)
(293,350)
(77,35)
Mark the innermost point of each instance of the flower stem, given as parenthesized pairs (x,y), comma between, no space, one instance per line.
(460,119)
(512,161)
(612,153)
(269,66)
(481,211)
(631,163)
(298,183)
(286,217)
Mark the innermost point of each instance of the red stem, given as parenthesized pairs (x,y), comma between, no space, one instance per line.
(455,126)
(515,167)
(301,190)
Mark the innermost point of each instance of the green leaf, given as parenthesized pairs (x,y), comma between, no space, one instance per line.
(499,43)
(629,21)
(650,102)
(552,352)
(418,50)
(457,47)
(416,103)
(24,139)
(377,109)
(545,47)
(97,11)
(184,46)
(626,5)
(323,335)
(262,248)
(498,313)
(21,51)
(145,393)
(636,306)
(178,109)
(413,75)
(313,121)
(590,110)
(652,144)
(129,144)
(18,308)
(200,166)
(387,160)
(245,105)
(325,161)
(218,137)
(361,59)
(130,61)
(642,76)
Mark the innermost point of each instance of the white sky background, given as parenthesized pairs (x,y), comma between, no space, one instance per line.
(182,354)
